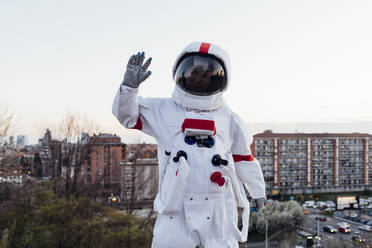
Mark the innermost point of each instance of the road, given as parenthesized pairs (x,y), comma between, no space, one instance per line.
(311,225)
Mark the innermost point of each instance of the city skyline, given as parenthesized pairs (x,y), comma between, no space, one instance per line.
(135,136)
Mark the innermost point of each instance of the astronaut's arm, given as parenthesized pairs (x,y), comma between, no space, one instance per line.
(248,169)
(250,173)
(128,108)
(125,106)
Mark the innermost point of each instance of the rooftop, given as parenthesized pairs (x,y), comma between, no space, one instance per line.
(268,135)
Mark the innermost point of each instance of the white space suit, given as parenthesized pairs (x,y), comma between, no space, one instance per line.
(198,192)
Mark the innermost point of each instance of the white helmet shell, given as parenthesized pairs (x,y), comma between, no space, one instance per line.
(206,48)
(210,102)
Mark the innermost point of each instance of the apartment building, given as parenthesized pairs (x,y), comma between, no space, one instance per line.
(103,162)
(314,162)
(47,161)
(139,181)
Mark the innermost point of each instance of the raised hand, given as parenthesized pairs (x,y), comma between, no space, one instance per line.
(136,71)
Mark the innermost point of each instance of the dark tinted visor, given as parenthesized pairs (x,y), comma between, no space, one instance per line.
(200,74)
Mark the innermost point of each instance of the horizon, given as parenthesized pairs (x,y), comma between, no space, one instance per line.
(134,136)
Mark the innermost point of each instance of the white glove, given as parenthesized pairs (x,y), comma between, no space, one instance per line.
(136,72)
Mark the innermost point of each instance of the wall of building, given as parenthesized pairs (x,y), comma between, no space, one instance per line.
(303,163)
(139,180)
(103,163)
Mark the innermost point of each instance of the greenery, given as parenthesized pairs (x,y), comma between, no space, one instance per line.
(35,216)
(280,216)
(284,218)
(256,237)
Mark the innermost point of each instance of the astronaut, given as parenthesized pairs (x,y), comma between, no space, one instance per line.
(205,162)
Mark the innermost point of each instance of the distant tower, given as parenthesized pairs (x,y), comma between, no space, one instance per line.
(22,140)
(11,140)
(47,136)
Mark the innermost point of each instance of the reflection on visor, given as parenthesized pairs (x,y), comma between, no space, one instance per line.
(200,74)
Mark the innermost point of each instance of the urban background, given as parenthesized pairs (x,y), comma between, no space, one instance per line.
(78,187)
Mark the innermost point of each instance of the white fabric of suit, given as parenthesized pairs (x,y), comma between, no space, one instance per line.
(193,210)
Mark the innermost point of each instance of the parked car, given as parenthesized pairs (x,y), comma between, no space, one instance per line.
(321,218)
(344,229)
(365,228)
(309,204)
(321,205)
(329,229)
(363,221)
(353,218)
(363,202)
(359,220)
(369,223)
(330,204)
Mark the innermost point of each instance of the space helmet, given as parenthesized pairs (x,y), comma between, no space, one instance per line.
(202,69)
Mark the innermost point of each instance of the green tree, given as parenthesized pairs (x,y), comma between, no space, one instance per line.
(37,217)
(280,216)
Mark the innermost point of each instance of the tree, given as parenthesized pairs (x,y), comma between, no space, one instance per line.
(139,177)
(69,152)
(135,185)
(139,183)
(280,216)
(37,217)
(6,122)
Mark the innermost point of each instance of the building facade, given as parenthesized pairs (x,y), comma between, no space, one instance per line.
(314,162)
(47,162)
(103,162)
(139,181)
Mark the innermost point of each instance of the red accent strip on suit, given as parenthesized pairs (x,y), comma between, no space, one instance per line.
(238,158)
(204,47)
(138,125)
(199,124)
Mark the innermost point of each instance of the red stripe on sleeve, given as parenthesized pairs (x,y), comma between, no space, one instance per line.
(238,158)
(204,47)
(138,125)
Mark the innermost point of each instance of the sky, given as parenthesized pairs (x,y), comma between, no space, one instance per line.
(297,65)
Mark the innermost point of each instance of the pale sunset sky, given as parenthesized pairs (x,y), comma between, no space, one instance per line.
(297,65)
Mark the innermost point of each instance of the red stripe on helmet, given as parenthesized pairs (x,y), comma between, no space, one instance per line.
(238,158)
(138,125)
(204,47)
(199,124)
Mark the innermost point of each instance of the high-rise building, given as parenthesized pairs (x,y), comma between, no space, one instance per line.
(47,161)
(22,140)
(11,140)
(314,162)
